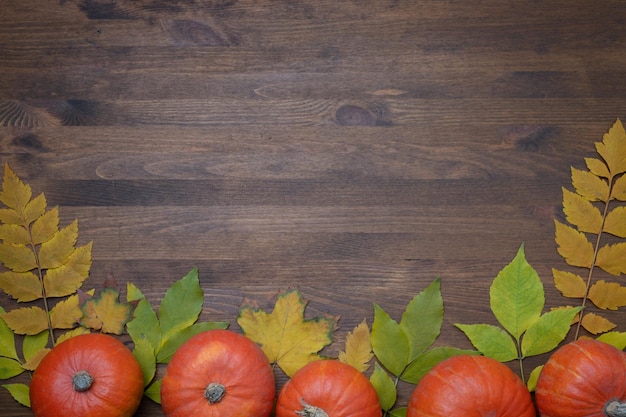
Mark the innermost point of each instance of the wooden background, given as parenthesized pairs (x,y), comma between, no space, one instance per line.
(355,150)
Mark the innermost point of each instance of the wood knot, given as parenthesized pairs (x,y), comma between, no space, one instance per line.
(351,115)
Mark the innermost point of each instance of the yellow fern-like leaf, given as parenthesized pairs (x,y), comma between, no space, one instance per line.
(581,213)
(358,351)
(66,314)
(22,286)
(596,324)
(56,251)
(607,295)
(14,234)
(618,192)
(26,320)
(18,258)
(45,226)
(612,258)
(34,209)
(613,148)
(570,285)
(590,186)
(615,222)
(573,246)
(597,167)
(69,277)
(15,194)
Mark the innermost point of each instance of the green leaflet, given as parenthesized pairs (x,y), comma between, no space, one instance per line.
(385,387)
(548,331)
(516,295)
(389,342)
(617,339)
(19,392)
(422,319)
(425,362)
(491,341)
(157,336)
(7,340)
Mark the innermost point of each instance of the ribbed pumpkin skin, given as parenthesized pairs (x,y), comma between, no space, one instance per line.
(224,357)
(335,387)
(580,378)
(116,391)
(470,386)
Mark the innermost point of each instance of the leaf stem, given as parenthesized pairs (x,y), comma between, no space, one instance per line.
(595,257)
(43,289)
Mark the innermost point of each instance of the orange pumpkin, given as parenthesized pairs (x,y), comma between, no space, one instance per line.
(218,373)
(583,378)
(470,386)
(328,388)
(91,375)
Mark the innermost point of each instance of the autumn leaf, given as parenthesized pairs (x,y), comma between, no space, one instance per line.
(358,351)
(596,324)
(286,337)
(105,312)
(570,284)
(573,246)
(26,320)
(608,295)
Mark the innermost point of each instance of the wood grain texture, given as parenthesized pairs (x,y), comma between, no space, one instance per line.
(353,150)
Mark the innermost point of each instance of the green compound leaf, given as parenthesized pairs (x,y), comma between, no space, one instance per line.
(181,306)
(547,332)
(385,387)
(491,341)
(390,343)
(19,392)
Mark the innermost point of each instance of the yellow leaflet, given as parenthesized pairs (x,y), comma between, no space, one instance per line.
(14,234)
(615,222)
(106,313)
(618,192)
(358,351)
(33,362)
(581,213)
(10,216)
(570,285)
(57,250)
(590,186)
(45,227)
(34,209)
(286,338)
(18,258)
(67,278)
(573,246)
(22,286)
(66,314)
(596,324)
(613,148)
(72,333)
(597,167)
(612,258)
(15,194)
(26,320)
(607,295)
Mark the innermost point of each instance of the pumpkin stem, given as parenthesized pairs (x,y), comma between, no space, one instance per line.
(310,410)
(615,409)
(214,392)
(81,381)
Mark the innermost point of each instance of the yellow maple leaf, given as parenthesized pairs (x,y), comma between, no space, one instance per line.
(615,222)
(573,246)
(612,258)
(613,148)
(358,350)
(26,320)
(67,278)
(607,295)
(23,286)
(590,186)
(581,213)
(106,313)
(570,285)
(285,336)
(596,324)
(56,251)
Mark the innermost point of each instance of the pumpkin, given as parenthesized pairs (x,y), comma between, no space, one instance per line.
(583,378)
(470,386)
(92,375)
(218,373)
(328,388)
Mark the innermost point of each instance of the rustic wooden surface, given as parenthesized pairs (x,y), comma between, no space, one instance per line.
(353,150)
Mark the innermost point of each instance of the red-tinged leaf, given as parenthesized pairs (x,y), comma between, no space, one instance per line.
(590,186)
(45,227)
(22,286)
(15,194)
(612,258)
(106,313)
(615,222)
(26,320)
(581,213)
(573,246)
(570,285)
(596,324)
(18,258)
(613,148)
(597,167)
(57,250)
(67,278)
(607,295)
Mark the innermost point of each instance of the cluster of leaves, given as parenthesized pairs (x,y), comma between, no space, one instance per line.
(517,301)
(596,212)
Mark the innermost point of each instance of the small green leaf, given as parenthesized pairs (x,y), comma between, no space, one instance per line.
(171,345)
(422,319)
(491,341)
(144,353)
(385,387)
(426,361)
(7,340)
(398,412)
(389,342)
(10,368)
(145,324)
(32,344)
(154,391)
(532,379)
(19,392)
(516,296)
(547,332)
(181,305)
(617,339)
